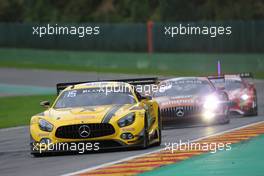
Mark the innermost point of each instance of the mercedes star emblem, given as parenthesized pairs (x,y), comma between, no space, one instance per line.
(179,112)
(84,131)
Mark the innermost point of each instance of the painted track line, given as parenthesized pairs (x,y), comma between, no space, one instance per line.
(155,151)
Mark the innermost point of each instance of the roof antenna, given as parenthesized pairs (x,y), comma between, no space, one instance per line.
(219,68)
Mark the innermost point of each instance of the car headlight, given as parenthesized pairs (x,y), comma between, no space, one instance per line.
(44,125)
(244,97)
(127,120)
(211,103)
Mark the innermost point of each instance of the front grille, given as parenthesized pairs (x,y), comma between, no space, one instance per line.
(171,112)
(96,130)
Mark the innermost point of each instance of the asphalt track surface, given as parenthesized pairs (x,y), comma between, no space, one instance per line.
(47,79)
(50,78)
(15,158)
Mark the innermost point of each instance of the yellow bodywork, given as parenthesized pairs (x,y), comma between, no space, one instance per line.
(95,114)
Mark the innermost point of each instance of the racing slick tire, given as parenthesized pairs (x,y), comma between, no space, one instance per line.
(146,134)
(224,120)
(254,110)
(159,131)
(37,154)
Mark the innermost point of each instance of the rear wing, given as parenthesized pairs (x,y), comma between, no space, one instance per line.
(219,81)
(246,75)
(241,75)
(132,81)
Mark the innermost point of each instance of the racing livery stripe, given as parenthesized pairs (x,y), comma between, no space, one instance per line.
(165,157)
(111,113)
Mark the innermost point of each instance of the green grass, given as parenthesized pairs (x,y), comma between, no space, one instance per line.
(16,111)
(139,63)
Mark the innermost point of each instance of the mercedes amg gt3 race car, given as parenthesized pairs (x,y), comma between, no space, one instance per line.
(192,98)
(97,115)
(242,92)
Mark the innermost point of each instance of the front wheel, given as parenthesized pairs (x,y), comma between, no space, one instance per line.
(254,110)
(37,154)
(224,120)
(146,134)
(159,130)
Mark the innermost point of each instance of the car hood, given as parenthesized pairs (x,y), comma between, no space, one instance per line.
(93,114)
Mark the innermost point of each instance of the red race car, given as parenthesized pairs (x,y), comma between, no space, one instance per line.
(241,91)
(192,98)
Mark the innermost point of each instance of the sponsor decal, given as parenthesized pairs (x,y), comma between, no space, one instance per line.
(111,113)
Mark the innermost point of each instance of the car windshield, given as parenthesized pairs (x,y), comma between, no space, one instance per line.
(185,87)
(233,84)
(218,82)
(92,97)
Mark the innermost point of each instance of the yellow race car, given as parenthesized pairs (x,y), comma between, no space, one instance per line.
(90,116)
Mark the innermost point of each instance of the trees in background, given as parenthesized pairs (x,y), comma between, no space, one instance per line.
(129,10)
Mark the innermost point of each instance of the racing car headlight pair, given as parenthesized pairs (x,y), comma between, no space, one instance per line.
(44,125)
(127,120)
(211,103)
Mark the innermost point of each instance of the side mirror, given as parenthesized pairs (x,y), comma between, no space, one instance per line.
(45,104)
